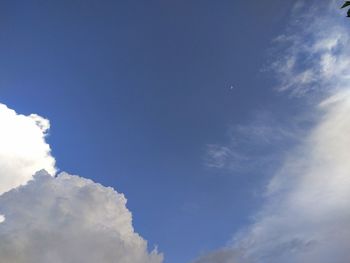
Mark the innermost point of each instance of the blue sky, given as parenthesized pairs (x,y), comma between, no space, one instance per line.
(138,93)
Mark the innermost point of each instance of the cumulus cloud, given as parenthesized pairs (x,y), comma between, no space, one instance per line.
(58,219)
(306,215)
(69,219)
(23,149)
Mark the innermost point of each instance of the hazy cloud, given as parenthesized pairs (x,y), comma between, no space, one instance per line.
(306,215)
(249,145)
(220,256)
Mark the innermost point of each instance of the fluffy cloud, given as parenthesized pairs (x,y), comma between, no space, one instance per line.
(57,219)
(68,219)
(306,215)
(23,149)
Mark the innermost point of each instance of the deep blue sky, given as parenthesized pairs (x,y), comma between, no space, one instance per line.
(136,90)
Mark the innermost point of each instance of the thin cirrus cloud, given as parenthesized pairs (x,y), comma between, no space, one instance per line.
(316,57)
(306,215)
(249,145)
(64,218)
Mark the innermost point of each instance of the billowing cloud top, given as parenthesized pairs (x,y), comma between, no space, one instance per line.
(68,219)
(57,219)
(23,149)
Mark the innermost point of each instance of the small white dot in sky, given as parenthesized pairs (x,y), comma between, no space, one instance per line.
(2,219)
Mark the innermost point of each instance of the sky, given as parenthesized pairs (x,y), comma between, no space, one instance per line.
(174,131)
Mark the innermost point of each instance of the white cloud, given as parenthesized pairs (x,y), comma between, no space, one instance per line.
(306,216)
(69,219)
(317,50)
(63,219)
(23,149)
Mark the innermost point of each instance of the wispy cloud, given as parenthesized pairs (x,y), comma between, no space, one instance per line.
(306,215)
(219,156)
(249,146)
(305,218)
(315,50)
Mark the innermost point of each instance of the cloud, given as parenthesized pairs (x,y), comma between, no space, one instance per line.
(69,219)
(249,145)
(64,218)
(220,256)
(314,50)
(23,149)
(219,156)
(305,216)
